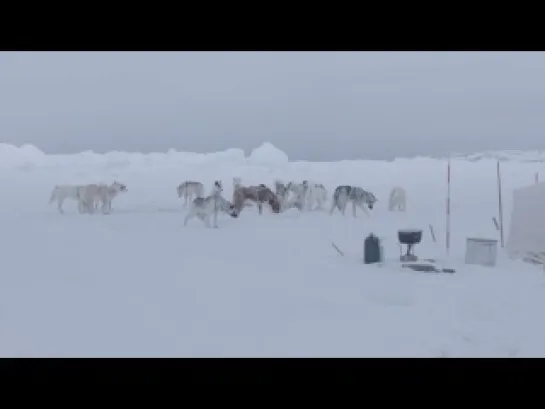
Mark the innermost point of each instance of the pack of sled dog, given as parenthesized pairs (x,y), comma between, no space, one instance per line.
(88,197)
(304,196)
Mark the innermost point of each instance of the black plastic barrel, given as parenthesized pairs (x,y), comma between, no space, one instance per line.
(371,249)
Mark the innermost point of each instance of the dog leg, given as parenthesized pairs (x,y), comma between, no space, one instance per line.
(85,207)
(188,216)
(320,205)
(104,206)
(108,205)
(343,209)
(59,206)
(80,206)
(333,206)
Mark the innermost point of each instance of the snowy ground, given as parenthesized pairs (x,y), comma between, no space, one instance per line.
(137,283)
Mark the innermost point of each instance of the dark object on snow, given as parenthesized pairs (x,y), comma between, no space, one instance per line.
(421,267)
(427,268)
(409,237)
(372,250)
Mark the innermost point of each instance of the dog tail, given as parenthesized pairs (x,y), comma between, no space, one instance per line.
(336,198)
(53,194)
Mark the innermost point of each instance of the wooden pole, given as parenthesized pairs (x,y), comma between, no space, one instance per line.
(447,238)
(500,205)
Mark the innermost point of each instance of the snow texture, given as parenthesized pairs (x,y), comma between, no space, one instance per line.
(137,283)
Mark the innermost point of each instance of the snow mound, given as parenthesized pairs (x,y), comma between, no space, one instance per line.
(28,157)
(268,154)
(25,156)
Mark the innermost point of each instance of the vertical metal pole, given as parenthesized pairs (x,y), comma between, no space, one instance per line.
(500,204)
(447,240)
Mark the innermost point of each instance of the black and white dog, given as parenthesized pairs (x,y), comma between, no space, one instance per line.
(205,207)
(358,196)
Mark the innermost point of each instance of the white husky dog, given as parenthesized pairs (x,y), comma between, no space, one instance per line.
(282,193)
(204,207)
(398,199)
(296,195)
(89,196)
(108,193)
(306,194)
(315,193)
(189,188)
(62,192)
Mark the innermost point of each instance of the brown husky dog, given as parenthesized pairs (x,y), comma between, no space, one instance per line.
(258,194)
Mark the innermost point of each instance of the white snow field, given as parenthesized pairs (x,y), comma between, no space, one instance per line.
(136,283)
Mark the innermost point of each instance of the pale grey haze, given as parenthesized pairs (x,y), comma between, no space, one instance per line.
(312,105)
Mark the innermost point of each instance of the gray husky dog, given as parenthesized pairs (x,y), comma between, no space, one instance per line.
(189,188)
(358,196)
(204,207)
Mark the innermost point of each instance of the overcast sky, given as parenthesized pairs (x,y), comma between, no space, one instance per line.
(312,105)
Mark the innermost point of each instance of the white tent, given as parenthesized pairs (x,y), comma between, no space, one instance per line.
(527,226)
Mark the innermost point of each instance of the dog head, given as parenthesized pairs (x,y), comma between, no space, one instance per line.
(119,187)
(232,211)
(371,200)
(218,187)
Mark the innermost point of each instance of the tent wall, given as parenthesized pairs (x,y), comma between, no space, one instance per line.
(527,225)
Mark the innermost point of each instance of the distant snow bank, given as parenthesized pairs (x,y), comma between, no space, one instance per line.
(28,157)
(508,155)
